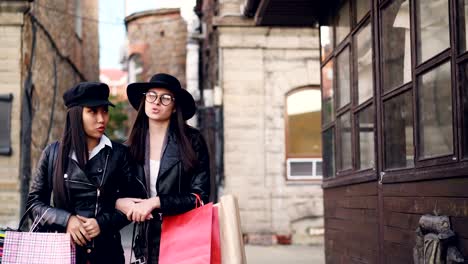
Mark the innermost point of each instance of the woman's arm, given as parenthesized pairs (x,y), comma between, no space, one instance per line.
(40,193)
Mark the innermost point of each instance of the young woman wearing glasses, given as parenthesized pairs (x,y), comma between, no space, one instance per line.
(173,159)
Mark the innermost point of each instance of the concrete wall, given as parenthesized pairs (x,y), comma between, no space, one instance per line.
(258,67)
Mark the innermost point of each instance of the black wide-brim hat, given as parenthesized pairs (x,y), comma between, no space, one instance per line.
(162,80)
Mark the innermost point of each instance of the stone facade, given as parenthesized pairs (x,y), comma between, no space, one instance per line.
(160,38)
(255,68)
(42,55)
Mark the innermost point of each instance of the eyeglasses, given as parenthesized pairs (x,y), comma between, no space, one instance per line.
(165,99)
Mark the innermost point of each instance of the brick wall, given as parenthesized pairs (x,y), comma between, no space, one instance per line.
(161,37)
(58,60)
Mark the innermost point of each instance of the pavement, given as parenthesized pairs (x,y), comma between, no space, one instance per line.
(276,254)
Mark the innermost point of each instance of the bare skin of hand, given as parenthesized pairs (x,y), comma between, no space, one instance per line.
(126,204)
(141,211)
(77,231)
(90,225)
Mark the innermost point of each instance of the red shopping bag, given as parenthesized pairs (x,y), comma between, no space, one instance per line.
(191,238)
(32,247)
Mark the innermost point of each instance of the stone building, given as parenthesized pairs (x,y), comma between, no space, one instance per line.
(265,83)
(157,41)
(46,46)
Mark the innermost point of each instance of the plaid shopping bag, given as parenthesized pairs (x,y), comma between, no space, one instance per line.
(35,247)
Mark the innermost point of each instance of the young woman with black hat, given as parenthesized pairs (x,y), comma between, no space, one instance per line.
(83,172)
(173,158)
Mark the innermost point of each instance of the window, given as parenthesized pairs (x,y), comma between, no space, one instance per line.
(343,81)
(435,112)
(135,69)
(344,139)
(419,94)
(326,41)
(329,153)
(78,19)
(342,22)
(366,138)
(5,120)
(463,24)
(327,93)
(349,70)
(362,8)
(431,27)
(398,132)
(303,134)
(364,64)
(396,45)
(304,169)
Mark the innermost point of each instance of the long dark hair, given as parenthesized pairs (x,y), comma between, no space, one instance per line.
(139,132)
(73,139)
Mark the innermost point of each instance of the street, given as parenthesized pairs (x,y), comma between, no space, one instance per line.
(293,254)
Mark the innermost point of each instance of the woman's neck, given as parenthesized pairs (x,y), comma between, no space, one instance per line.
(157,127)
(92,143)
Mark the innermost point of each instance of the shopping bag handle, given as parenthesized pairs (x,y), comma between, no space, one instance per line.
(36,221)
(198,200)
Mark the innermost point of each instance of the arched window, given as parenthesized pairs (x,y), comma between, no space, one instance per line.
(303,134)
(135,69)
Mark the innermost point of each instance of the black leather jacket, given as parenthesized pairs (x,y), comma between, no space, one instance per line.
(174,185)
(92,194)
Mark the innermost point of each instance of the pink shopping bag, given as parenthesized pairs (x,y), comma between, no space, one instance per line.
(191,238)
(35,247)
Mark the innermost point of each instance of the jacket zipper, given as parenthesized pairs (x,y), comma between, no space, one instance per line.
(80,182)
(98,191)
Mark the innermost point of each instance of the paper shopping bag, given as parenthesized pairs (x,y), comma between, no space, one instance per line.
(191,238)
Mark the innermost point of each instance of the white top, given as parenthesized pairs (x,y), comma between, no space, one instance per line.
(103,142)
(154,171)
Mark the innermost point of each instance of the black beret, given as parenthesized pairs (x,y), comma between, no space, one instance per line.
(88,94)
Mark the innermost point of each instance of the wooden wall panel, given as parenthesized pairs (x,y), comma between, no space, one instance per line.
(405,203)
(351,224)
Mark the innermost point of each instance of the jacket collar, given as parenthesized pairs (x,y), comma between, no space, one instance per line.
(103,142)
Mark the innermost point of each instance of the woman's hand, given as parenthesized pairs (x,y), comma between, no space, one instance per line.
(90,225)
(77,231)
(125,205)
(141,211)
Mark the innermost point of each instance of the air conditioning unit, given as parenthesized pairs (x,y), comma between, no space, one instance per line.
(304,168)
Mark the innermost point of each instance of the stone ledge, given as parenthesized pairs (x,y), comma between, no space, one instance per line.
(14,6)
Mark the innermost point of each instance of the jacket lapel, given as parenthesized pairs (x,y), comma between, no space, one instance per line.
(170,157)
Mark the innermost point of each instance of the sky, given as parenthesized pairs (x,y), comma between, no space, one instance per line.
(112,27)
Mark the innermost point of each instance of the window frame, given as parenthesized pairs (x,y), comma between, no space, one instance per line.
(7,99)
(78,19)
(134,71)
(441,166)
(352,175)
